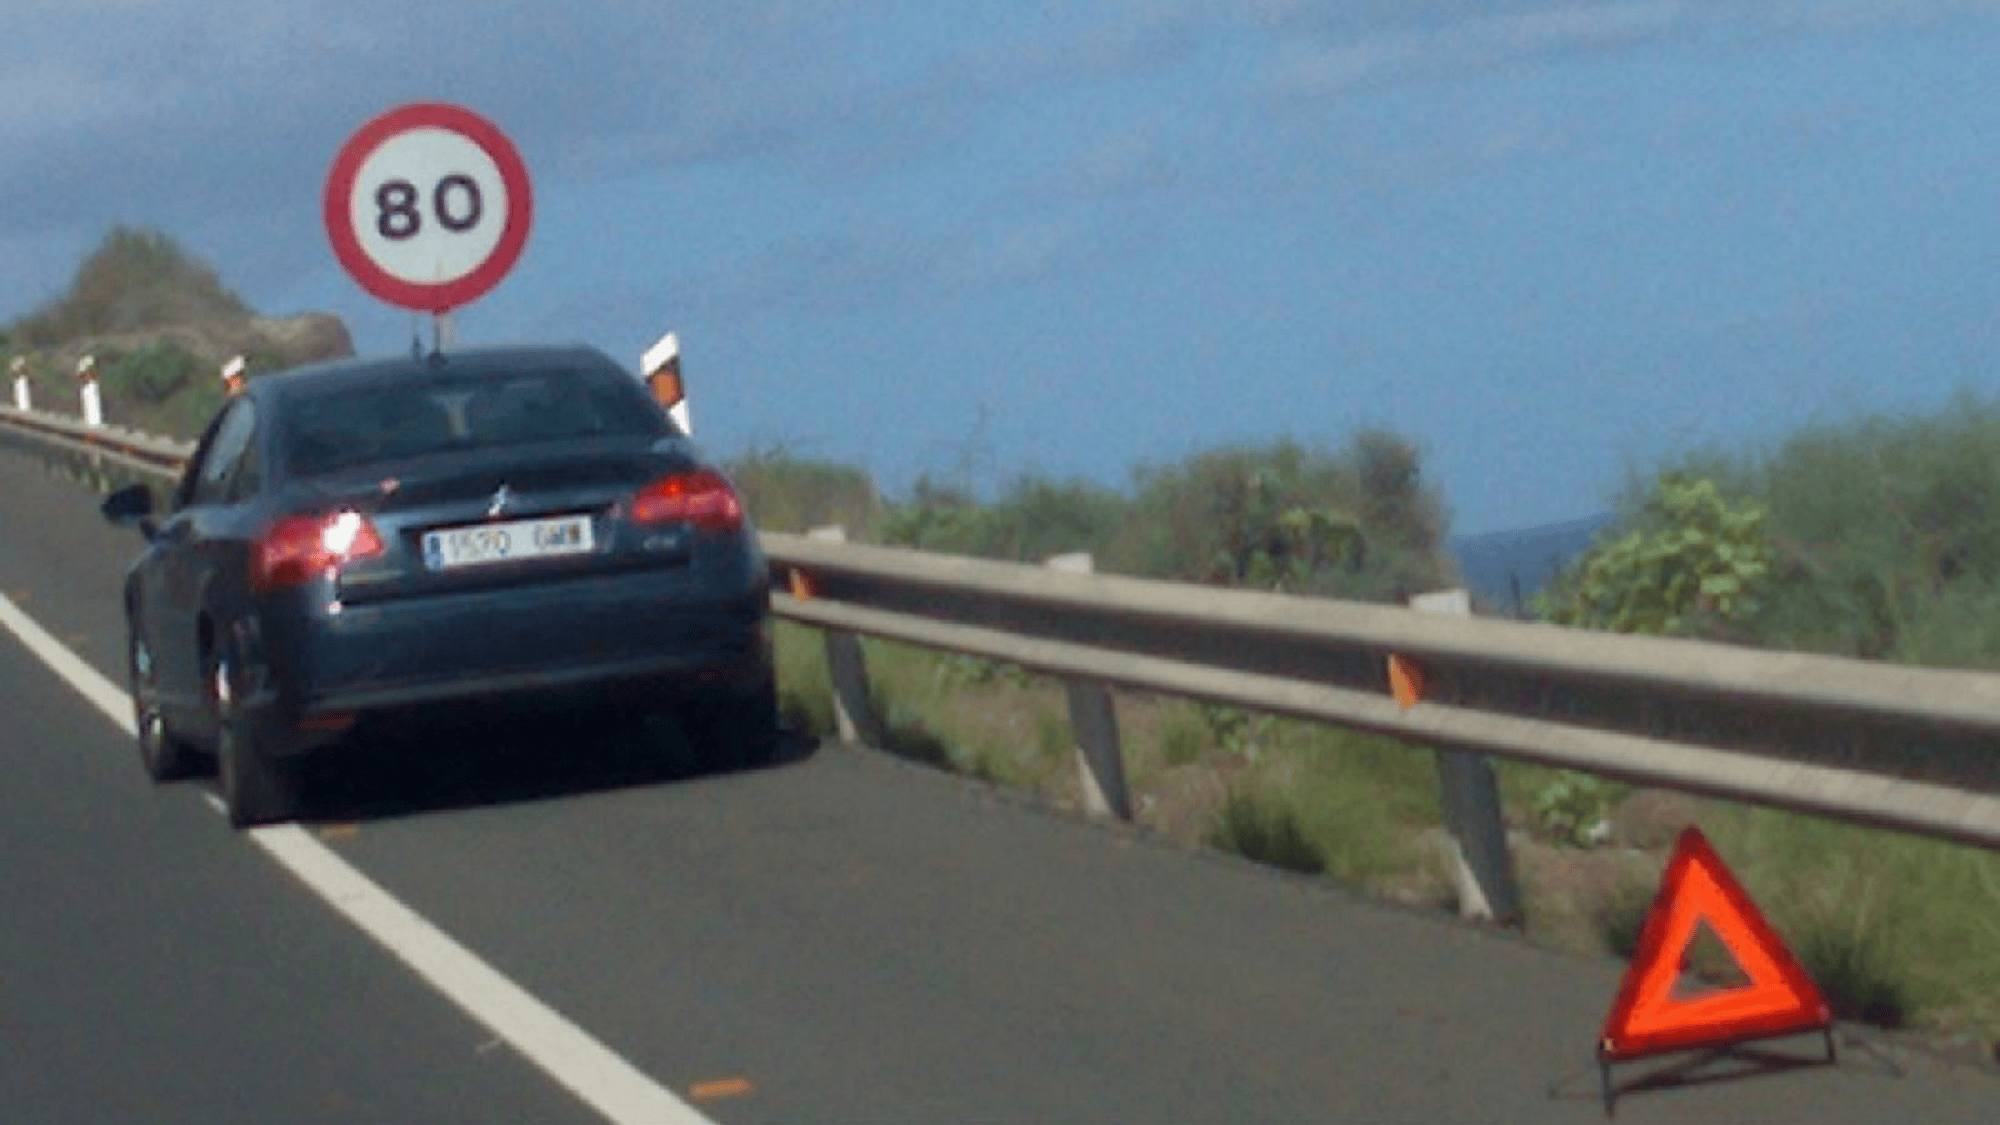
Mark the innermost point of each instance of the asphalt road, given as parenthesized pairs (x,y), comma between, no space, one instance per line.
(842,937)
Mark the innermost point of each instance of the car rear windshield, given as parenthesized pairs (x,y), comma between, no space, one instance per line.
(341,427)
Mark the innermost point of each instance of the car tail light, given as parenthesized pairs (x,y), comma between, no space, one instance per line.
(300,548)
(701,497)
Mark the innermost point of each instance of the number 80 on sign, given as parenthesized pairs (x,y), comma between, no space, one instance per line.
(428,206)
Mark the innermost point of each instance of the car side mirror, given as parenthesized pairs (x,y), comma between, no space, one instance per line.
(131,504)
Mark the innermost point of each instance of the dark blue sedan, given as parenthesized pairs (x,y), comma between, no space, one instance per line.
(467,532)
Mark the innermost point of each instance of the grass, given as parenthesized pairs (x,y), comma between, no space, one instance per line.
(1620,916)
(1861,974)
(1364,799)
(1267,831)
(1896,929)
(1182,738)
(805,691)
(1304,796)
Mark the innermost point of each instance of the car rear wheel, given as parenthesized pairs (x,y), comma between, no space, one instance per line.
(256,788)
(164,755)
(736,731)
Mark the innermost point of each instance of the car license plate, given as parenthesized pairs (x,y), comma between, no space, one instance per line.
(479,544)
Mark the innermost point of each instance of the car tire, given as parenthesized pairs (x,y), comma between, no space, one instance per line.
(256,788)
(736,731)
(162,752)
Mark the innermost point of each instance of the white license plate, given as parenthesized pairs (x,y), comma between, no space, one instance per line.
(484,543)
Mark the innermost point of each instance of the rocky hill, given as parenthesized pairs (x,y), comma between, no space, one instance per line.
(160,325)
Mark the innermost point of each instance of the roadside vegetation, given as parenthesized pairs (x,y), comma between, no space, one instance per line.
(1877,537)
(1873,538)
(1354,521)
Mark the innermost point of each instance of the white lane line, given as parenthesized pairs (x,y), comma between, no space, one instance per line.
(100,692)
(567,1053)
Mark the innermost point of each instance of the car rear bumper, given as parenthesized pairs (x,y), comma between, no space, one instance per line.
(615,640)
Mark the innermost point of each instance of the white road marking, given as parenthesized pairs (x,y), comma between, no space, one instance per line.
(567,1053)
(100,692)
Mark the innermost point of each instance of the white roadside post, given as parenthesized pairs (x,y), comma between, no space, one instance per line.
(93,403)
(1093,723)
(19,368)
(660,367)
(232,376)
(1470,797)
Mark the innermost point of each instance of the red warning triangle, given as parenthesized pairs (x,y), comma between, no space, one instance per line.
(1650,1017)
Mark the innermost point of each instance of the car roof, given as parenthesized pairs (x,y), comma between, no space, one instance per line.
(470,361)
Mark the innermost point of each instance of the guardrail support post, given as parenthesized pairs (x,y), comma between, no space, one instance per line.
(846,666)
(22,399)
(1470,797)
(1093,721)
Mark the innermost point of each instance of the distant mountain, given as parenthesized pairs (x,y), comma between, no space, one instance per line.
(1495,562)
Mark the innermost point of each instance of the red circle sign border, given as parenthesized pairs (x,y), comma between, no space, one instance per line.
(340,187)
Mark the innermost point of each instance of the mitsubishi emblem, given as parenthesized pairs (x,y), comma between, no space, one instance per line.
(502,497)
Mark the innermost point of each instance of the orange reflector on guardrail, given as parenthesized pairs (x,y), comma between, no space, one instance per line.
(1406,680)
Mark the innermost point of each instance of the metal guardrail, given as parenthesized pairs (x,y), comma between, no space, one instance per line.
(1913,749)
(1888,745)
(106,453)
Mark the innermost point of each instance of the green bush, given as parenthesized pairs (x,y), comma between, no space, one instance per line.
(1884,535)
(1033,519)
(790,493)
(1356,522)
(1694,562)
(1281,516)
(157,371)
(1572,804)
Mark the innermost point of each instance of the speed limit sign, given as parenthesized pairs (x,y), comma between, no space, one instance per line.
(428,206)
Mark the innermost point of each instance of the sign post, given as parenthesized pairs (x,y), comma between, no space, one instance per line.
(19,368)
(428,206)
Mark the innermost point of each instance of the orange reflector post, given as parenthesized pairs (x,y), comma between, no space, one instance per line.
(666,384)
(1651,1015)
(1406,679)
(802,588)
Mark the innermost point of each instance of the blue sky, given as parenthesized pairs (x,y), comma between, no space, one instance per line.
(1546,241)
